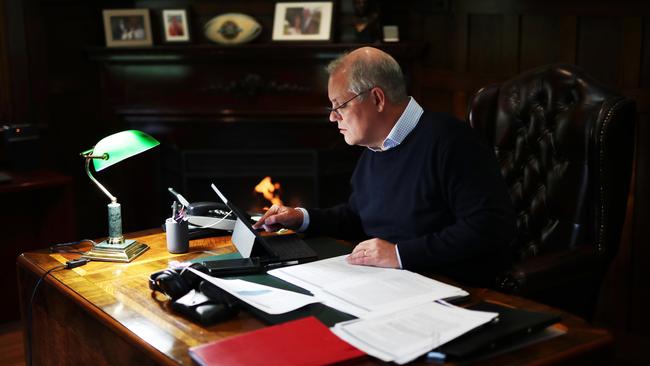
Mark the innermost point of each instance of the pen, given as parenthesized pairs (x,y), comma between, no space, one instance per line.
(281,264)
(179,197)
(436,356)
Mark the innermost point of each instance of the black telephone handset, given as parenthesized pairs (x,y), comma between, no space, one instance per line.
(206,218)
(201,208)
(206,208)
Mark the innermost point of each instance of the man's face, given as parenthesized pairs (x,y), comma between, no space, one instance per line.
(354,118)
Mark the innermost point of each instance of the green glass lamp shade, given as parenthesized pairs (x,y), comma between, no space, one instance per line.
(120,146)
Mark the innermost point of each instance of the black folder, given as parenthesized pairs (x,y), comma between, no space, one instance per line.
(326,248)
(509,326)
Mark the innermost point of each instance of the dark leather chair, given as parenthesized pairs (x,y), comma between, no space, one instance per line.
(565,146)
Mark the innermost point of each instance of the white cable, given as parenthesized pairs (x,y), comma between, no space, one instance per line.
(211,225)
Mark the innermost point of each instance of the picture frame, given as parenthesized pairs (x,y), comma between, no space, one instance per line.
(127,27)
(176,27)
(302,21)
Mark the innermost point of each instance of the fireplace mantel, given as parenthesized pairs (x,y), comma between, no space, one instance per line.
(209,84)
(259,52)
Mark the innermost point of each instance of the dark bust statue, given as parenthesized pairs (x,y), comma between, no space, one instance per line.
(365,23)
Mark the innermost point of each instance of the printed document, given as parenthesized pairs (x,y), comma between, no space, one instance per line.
(364,290)
(268,299)
(409,333)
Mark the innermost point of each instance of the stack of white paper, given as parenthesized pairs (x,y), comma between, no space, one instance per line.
(363,290)
(404,335)
(268,299)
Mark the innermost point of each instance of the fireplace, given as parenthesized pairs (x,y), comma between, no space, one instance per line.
(237,172)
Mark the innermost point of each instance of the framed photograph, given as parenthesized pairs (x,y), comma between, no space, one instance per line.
(127,27)
(176,28)
(302,21)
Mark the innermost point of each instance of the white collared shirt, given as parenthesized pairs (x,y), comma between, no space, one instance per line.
(404,125)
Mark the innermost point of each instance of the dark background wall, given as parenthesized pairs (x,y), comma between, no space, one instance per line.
(56,73)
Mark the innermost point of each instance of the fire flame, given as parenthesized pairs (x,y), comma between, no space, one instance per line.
(269,190)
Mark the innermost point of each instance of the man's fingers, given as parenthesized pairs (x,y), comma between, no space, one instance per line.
(360,258)
(271,211)
(261,220)
(360,255)
(271,228)
(357,250)
(279,218)
(374,252)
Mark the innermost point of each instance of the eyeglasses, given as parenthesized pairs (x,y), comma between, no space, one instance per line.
(342,105)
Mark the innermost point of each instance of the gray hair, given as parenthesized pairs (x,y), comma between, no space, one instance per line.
(366,73)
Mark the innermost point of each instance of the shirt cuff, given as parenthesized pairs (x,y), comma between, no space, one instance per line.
(399,260)
(305,220)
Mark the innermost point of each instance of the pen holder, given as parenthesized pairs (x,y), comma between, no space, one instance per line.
(177,236)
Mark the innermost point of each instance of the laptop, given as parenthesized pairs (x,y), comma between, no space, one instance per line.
(285,248)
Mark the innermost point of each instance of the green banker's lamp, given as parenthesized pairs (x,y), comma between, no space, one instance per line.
(108,151)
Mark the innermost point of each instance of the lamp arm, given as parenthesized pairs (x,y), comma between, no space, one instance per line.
(110,196)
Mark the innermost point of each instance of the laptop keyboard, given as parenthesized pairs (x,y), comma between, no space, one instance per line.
(290,246)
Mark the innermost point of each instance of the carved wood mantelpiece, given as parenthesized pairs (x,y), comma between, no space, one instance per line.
(252,84)
(317,51)
(224,84)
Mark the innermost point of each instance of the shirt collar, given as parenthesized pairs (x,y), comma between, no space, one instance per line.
(404,125)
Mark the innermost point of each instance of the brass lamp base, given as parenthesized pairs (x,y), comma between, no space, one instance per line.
(123,252)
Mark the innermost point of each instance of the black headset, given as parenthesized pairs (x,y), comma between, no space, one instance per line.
(218,306)
(176,284)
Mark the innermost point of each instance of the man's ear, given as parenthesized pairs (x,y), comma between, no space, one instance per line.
(378,98)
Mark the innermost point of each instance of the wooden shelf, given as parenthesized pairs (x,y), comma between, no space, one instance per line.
(301,51)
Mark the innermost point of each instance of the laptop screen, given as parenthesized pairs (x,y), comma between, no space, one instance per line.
(243,236)
(271,248)
(239,213)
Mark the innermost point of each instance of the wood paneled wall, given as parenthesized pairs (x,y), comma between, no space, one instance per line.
(474,41)
(5,83)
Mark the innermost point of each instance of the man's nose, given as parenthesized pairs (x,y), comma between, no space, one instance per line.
(334,117)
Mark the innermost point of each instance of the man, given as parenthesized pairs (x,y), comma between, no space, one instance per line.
(427,194)
(310,21)
(175,28)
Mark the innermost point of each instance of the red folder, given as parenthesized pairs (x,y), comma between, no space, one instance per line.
(305,341)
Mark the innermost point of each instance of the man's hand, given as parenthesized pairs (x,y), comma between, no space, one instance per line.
(374,252)
(278,217)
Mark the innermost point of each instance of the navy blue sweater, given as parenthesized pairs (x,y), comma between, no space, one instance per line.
(439,196)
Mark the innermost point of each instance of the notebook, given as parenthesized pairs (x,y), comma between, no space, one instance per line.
(286,248)
(300,342)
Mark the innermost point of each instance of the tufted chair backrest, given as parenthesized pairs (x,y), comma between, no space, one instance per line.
(565,144)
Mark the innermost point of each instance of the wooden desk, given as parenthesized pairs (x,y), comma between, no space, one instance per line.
(104,313)
(37,211)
